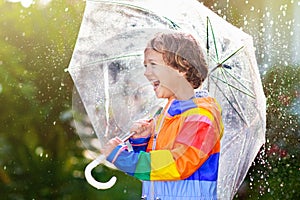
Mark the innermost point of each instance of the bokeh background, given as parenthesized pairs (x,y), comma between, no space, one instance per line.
(41,155)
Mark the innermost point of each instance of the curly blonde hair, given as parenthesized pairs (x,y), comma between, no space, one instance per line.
(182,52)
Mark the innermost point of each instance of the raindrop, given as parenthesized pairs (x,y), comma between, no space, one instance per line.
(286,63)
(54,123)
(1,88)
(284,13)
(281,185)
(66,9)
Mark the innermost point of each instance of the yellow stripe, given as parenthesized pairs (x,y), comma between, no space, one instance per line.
(163,166)
(198,111)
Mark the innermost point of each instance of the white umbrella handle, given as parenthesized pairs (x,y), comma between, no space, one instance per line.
(90,179)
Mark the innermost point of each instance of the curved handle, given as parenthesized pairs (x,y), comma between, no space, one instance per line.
(90,179)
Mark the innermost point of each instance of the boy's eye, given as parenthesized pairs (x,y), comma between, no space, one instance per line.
(150,64)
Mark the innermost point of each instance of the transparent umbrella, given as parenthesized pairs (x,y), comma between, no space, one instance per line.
(107,70)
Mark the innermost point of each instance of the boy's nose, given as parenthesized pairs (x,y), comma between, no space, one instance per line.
(148,71)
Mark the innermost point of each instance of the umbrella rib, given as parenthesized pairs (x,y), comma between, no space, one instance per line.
(224,76)
(213,35)
(220,89)
(251,93)
(107,99)
(242,91)
(232,54)
(207,40)
(221,64)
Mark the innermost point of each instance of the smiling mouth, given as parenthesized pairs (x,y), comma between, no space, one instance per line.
(155,84)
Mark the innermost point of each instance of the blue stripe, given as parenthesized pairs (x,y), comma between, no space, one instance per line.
(177,107)
(178,190)
(208,171)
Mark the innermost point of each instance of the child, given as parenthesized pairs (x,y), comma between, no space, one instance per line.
(176,154)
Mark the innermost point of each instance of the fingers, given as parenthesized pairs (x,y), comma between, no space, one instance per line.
(138,129)
(115,141)
(140,126)
(142,130)
(109,147)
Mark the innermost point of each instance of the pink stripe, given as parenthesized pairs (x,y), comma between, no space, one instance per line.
(118,153)
(198,118)
(137,145)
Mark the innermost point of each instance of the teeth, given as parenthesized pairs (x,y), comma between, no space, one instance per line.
(155,83)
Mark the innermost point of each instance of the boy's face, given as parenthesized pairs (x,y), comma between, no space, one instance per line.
(152,60)
(167,82)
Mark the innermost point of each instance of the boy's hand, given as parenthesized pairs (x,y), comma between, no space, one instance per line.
(142,128)
(109,147)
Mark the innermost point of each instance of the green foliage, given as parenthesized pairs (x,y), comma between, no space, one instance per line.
(282,88)
(275,174)
(39,153)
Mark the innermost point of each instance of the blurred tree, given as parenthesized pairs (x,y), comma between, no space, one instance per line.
(39,153)
(275,173)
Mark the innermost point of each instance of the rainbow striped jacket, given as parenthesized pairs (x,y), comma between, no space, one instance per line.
(180,160)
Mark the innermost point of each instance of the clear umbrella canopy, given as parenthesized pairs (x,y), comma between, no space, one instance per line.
(107,70)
